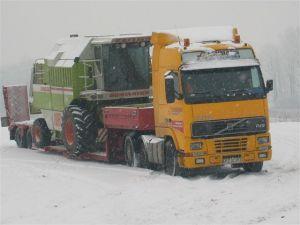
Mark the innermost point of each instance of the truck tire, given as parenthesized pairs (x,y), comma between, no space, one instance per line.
(41,135)
(143,161)
(78,130)
(130,151)
(253,167)
(29,138)
(20,138)
(171,161)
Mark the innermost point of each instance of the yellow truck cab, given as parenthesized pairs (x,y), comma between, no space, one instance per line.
(209,99)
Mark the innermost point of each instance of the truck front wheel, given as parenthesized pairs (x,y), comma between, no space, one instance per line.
(171,164)
(253,167)
(78,130)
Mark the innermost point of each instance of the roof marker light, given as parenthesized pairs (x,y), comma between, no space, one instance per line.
(235,36)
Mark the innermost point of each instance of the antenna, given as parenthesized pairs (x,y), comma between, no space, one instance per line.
(178,34)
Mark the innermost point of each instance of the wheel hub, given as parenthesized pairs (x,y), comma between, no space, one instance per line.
(69,132)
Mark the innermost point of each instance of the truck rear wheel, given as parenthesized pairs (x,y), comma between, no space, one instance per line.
(78,130)
(253,167)
(20,138)
(129,151)
(143,161)
(171,164)
(41,135)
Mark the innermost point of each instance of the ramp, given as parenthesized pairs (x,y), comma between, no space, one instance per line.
(16,104)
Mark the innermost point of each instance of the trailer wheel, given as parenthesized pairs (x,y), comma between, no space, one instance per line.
(78,130)
(20,138)
(29,138)
(130,151)
(171,164)
(253,167)
(41,135)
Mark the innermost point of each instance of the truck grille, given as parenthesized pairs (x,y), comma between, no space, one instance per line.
(231,145)
(214,128)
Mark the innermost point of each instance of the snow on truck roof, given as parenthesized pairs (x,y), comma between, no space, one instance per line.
(202,34)
(214,64)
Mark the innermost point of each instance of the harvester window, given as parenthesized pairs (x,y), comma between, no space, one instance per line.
(125,67)
(38,74)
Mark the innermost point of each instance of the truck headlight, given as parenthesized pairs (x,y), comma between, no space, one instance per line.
(196,145)
(263,140)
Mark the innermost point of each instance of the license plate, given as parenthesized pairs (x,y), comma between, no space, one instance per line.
(232,160)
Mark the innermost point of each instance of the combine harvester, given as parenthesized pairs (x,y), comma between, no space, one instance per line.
(92,99)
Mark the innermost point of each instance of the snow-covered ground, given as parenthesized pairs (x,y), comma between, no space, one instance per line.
(45,188)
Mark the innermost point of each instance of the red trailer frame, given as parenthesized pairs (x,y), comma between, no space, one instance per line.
(118,122)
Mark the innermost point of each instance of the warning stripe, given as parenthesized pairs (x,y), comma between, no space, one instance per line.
(102,135)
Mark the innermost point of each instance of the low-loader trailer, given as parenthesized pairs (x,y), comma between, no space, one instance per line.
(203,103)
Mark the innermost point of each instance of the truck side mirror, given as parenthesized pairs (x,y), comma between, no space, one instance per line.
(170,90)
(269,85)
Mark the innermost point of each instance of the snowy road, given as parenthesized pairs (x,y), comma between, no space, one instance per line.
(44,188)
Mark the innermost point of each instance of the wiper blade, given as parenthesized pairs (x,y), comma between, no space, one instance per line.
(242,91)
(200,92)
(239,90)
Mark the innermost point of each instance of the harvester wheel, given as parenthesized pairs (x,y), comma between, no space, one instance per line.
(253,167)
(20,138)
(29,138)
(78,129)
(41,135)
(171,165)
(130,151)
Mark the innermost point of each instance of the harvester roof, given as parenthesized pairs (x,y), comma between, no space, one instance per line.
(67,49)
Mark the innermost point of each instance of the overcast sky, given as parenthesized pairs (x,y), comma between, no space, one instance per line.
(29,29)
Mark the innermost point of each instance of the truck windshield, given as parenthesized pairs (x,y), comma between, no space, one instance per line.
(126,68)
(225,84)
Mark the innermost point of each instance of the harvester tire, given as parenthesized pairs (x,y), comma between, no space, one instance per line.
(78,130)
(20,138)
(253,167)
(41,135)
(29,139)
(171,160)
